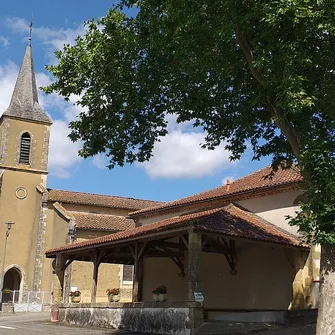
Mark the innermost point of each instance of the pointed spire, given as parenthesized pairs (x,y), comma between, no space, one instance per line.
(24,103)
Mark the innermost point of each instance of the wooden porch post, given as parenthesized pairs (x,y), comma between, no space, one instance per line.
(58,278)
(138,271)
(96,262)
(136,280)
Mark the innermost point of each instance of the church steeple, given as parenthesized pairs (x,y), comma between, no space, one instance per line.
(24,104)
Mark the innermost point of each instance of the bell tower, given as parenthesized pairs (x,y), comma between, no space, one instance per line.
(24,148)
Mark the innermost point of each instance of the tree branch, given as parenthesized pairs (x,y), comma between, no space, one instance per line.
(246,49)
(283,124)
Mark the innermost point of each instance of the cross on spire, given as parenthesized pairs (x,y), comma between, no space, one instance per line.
(30,31)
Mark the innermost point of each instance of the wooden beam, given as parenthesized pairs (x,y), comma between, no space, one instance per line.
(142,250)
(165,244)
(184,241)
(231,258)
(204,240)
(180,264)
(96,258)
(58,265)
(67,263)
(221,248)
(136,273)
(132,251)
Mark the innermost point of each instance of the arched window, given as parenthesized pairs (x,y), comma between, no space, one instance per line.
(25,149)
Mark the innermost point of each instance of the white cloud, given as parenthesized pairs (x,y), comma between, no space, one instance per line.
(54,38)
(4,41)
(100,161)
(179,155)
(8,75)
(63,153)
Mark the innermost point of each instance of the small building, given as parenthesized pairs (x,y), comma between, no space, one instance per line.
(221,252)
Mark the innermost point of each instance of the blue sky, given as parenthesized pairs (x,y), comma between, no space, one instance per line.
(179,167)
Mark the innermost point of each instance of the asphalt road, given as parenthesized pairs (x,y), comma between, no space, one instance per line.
(39,324)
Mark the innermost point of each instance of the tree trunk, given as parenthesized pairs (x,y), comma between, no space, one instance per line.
(326,317)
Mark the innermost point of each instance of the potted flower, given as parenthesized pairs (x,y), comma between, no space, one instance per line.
(75,296)
(6,295)
(155,294)
(113,294)
(162,293)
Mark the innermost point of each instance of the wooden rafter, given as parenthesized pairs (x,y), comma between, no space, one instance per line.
(227,248)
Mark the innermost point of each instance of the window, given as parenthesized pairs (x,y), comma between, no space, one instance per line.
(25,149)
(127,275)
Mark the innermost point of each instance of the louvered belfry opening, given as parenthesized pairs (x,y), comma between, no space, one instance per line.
(25,149)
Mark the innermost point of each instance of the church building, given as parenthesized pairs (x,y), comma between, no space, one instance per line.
(43,218)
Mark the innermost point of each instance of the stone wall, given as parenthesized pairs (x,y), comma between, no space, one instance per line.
(154,318)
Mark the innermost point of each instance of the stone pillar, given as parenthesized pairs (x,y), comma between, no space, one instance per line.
(58,278)
(303,281)
(39,258)
(194,254)
(67,283)
(194,260)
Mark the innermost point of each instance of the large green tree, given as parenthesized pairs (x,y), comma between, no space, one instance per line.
(251,71)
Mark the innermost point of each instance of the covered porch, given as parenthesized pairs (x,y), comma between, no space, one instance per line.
(212,262)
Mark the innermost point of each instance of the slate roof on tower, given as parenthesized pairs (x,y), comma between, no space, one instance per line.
(24,103)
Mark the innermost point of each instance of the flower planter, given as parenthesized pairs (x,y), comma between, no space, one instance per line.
(75,300)
(162,297)
(113,298)
(155,297)
(116,298)
(7,297)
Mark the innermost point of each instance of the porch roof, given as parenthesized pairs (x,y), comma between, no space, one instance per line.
(97,221)
(230,221)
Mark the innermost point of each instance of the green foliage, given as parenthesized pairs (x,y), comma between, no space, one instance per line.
(75,294)
(247,72)
(316,220)
(160,290)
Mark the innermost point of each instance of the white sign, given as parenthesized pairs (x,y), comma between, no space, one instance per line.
(198,297)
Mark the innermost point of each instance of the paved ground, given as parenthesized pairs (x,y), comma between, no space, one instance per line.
(297,330)
(39,324)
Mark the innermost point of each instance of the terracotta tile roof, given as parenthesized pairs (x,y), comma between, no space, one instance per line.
(258,180)
(229,221)
(101,221)
(71,197)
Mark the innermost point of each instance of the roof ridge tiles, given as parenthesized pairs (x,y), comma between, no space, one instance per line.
(102,195)
(234,189)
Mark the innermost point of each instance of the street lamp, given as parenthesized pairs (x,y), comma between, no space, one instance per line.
(9,226)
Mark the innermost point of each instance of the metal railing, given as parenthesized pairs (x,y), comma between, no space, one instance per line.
(30,301)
